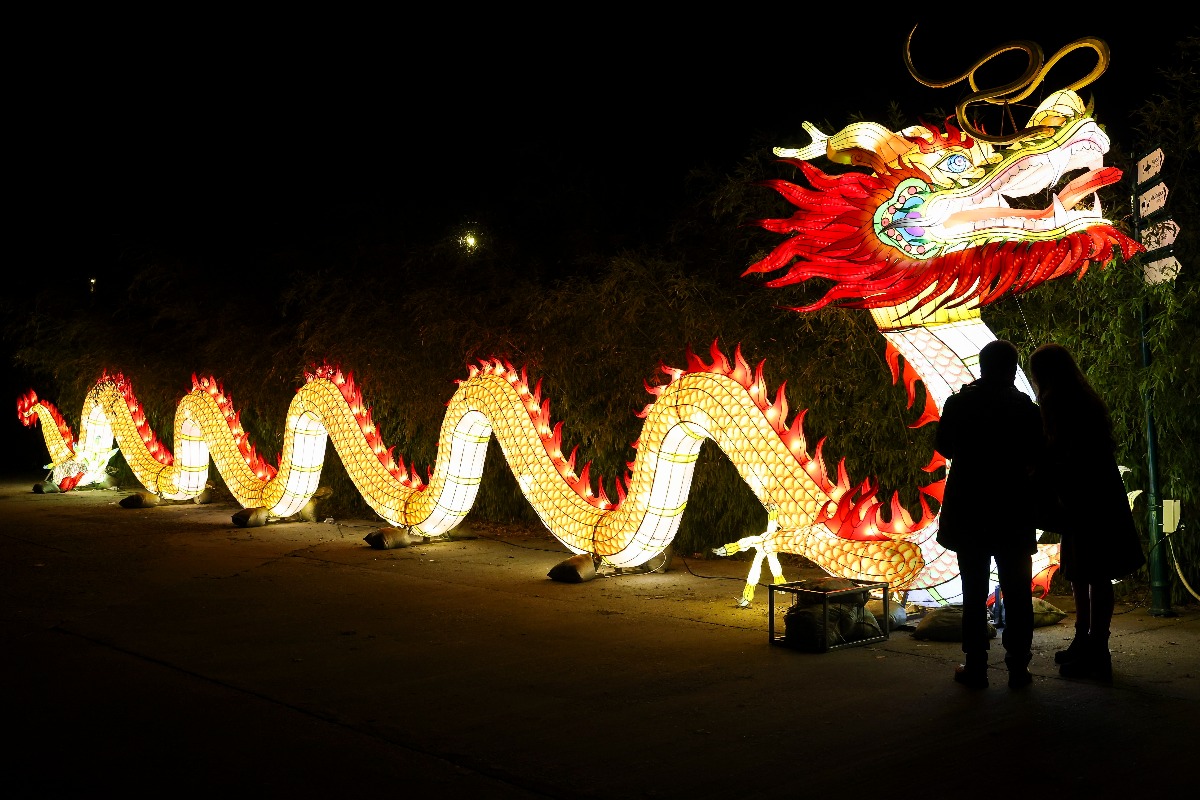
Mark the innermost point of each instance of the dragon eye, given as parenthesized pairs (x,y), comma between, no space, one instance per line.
(955,164)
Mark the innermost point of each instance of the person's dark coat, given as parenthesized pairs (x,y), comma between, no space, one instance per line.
(1099,537)
(992,434)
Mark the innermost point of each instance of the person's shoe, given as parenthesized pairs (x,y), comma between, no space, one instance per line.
(1019,678)
(1074,651)
(971,678)
(1095,664)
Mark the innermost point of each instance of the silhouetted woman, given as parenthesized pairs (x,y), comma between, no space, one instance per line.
(1099,540)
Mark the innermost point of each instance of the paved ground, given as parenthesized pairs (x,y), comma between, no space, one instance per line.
(167,651)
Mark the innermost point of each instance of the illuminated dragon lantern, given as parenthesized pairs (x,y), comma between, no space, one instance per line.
(934,231)
(923,239)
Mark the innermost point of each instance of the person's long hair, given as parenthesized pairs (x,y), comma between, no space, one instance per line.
(1072,411)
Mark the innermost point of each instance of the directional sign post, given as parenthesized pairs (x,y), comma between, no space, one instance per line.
(1154,229)
(1159,239)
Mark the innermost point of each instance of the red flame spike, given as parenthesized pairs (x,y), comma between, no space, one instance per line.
(893,360)
(741,369)
(556,438)
(1043,578)
(758,389)
(869,488)
(910,383)
(654,390)
(930,414)
(69,483)
(843,482)
(777,413)
(935,463)
(815,467)
(865,508)
(837,520)
(600,494)
(571,458)
(926,515)
(859,520)
(794,440)
(900,513)
(584,486)
(720,362)
(694,362)
(935,489)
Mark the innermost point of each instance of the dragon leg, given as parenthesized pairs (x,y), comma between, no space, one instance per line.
(763,551)
(741,545)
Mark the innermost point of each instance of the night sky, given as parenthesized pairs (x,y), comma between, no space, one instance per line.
(223,136)
(224,140)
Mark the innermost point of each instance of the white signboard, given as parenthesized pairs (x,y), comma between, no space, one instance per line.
(1170,516)
(1152,200)
(1150,166)
(1160,235)
(1165,269)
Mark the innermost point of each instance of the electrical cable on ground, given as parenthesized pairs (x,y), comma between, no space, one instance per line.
(1178,570)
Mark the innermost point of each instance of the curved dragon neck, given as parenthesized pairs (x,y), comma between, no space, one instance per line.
(941,345)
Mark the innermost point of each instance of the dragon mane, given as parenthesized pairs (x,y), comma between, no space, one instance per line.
(832,237)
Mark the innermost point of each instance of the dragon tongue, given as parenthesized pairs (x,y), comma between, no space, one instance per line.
(1086,184)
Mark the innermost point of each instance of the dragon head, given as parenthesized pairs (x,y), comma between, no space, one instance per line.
(944,219)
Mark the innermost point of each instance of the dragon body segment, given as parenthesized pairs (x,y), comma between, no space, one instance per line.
(834,525)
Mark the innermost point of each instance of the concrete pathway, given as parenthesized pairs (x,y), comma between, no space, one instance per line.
(167,651)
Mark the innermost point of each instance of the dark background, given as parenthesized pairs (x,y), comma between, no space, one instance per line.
(233,137)
(218,143)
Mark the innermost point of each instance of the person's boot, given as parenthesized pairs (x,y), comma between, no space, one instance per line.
(973,674)
(1074,650)
(1019,675)
(1095,662)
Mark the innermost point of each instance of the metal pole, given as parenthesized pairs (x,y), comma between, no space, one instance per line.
(1160,589)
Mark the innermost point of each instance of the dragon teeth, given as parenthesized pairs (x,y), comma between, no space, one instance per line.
(1060,214)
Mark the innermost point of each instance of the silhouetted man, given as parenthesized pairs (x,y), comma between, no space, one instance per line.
(992,434)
